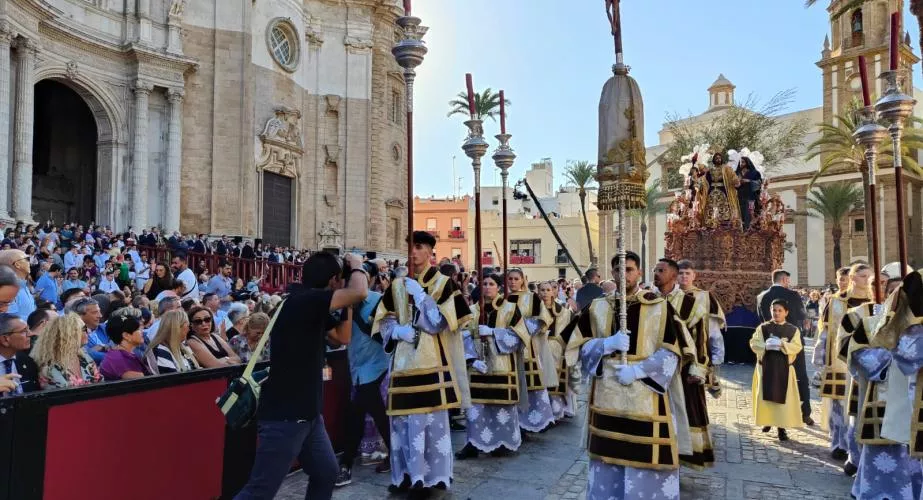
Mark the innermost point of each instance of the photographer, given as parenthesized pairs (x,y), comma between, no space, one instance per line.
(290,421)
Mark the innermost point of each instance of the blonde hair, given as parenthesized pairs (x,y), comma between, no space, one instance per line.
(170,335)
(257,321)
(60,342)
(853,271)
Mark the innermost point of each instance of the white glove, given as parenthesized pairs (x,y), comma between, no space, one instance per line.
(480,366)
(618,342)
(415,290)
(773,344)
(628,374)
(485,331)
(404,332)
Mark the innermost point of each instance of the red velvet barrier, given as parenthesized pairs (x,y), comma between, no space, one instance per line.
(163,443)
(336,399)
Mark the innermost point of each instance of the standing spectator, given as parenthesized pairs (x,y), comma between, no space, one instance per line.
(24,303)
(97,343)
(15,343)
(60,358)
(120,362)
(222,247)
(168,352)
(72,258)
(244,343)
(200,245)
(220,283)
(160,281)
(247,252)
(183,273)
(211,351)
(47,285)
(143,268)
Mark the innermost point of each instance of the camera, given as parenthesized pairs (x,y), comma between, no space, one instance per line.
(368,266)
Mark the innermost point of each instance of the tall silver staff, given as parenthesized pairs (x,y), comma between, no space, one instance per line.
(621,164)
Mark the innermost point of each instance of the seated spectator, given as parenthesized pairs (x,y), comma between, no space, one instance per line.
(211,351)
(108,284)
(237,316)
(15,343)
(73,281)
(9,287)
(168,352)
(177,288)
(62,361)
(120,362)
(70,297)
(141,302)
(37,322)
(97,342)
(160,281)
(163,307)
(9,382)
(245,343)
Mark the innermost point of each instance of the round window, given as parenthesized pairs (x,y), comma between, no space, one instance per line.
(282,39)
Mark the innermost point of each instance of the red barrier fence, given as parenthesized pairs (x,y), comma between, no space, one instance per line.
(276,277)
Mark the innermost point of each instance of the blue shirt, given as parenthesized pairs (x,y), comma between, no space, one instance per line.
(219,285)
(98,337)
(367,358)
(24,303)
(101,260)
(47,288)
(68,284)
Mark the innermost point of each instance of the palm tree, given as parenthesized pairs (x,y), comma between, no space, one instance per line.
(837,148)
(833,202)
(655,206)
(581,174)
(486,104)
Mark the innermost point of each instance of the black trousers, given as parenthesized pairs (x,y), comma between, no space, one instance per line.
(367,401)
(804,387)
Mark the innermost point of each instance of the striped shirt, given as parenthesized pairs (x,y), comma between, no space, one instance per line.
(166,362)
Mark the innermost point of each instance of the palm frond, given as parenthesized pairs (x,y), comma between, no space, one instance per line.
(836,200)
(580,173)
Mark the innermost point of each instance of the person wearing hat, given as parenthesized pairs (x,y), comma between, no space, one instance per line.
(418,322)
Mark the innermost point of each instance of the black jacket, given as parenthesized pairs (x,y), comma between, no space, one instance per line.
(796,312)
(28,370)
(199,246)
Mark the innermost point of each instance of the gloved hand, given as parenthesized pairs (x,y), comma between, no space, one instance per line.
(618,342)
(485,331)
(773,344)
(415,290)
(480,366)
(404,332)
(628,374)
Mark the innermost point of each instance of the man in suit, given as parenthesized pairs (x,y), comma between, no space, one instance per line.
(781,289)
(200,245)
(15,342)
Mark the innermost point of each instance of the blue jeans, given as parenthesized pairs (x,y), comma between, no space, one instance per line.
(280,442)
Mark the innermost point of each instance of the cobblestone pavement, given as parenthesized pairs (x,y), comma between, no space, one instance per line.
(750,464)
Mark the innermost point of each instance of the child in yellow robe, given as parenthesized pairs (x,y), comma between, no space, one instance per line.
(776,401)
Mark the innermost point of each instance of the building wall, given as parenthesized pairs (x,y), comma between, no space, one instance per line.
(442,212)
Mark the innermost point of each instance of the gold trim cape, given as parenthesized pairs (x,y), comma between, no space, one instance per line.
(556,344)
(536,352)
(503,384)
(430,375)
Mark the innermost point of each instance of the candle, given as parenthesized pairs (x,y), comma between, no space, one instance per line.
(895,40)
(470,84)
(406,7)
(864,76)
(502,113)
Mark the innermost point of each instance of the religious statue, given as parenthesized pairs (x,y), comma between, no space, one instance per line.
(177,8)
(722,207)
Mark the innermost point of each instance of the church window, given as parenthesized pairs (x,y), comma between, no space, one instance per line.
(282,40)
(397,108)
(858,225)
(856,28)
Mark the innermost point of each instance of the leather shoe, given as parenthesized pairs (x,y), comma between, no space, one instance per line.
(469,451)
(849,469)
(809,421)
(839,454)
(766,429)
(783,436)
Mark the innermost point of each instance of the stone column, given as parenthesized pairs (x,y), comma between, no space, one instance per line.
(174,159)
(138,187)
(6,37)
(23,132)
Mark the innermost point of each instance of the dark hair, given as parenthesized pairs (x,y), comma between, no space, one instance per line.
(778,274)
(843,271)
(180,255)
(196,310)
(319,269)
(118,325)
(780,302)
(629,255)
(424,238)
(591,273)
(37,316)
(207,296)
(176,283)
(496,279)
(54,268)
(67,294)
(685,264)
(745,161)
(893,280)
(448,269)
(670,263)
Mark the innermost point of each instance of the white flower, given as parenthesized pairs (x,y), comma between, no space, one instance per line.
(535,416)
(592,475)
(669,364)
(419,442)
(907,492)
(906,347)
(486,435)
(670,487)
(503,416)
(473,413)
(444,445)
(629,485)
(430,419)
(885,463)
(555,405)
(510,341)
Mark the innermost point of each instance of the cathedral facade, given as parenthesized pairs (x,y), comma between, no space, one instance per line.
(279,120)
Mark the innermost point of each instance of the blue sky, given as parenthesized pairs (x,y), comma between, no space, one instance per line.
(553,57)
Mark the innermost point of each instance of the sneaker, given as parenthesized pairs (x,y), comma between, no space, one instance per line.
(344,477)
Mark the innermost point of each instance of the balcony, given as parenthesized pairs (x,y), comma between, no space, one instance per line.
(560,259)
(487,261)
(522,259)
(456,234)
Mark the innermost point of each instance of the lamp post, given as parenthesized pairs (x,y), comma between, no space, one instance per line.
(869,134)
(409,52)
(503,159)
(893,109)
(475,147)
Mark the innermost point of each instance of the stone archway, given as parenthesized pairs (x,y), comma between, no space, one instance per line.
(75,153)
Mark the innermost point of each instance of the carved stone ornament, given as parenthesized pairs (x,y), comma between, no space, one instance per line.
(72,72)
(281,144)
(333,103)
(333,153)
(330,235)
(177,9)
(395,203)
(313,32)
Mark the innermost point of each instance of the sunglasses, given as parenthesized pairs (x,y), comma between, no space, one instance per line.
(201,321)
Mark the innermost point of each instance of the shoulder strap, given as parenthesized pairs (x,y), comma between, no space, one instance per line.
(255,355)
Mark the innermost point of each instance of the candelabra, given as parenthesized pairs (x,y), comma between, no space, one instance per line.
(409,52)
(893,109)
(475,147)
(869,134)
(504,158)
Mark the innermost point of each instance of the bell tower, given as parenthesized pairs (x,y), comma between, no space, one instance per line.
(864,30)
